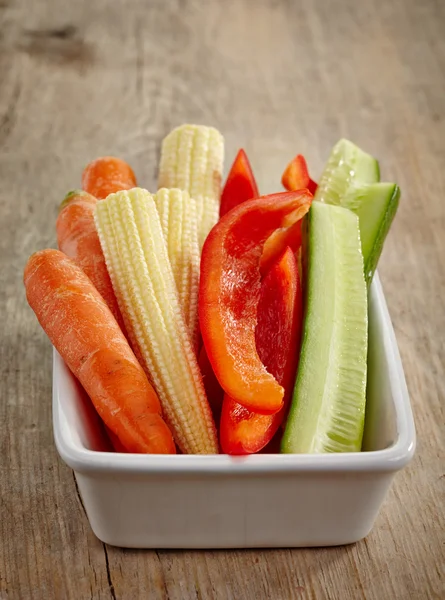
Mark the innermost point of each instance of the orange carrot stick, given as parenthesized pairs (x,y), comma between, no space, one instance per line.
(77,238)
(107,175)
(115,441)
(86,335)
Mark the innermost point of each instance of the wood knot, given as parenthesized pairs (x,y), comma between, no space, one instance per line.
(60,45)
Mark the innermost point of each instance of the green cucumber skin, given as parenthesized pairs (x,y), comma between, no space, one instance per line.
(332,368)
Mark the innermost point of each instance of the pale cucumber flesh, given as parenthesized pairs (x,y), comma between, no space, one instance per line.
(328,406)
(347,165)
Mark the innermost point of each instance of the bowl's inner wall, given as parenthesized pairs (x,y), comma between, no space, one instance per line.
(380,420)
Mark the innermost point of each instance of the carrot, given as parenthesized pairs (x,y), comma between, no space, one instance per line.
(107,175)
(115,441)
(81,327)
(77,238)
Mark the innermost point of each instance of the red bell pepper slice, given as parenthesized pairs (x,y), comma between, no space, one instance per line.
(278,333)
(289,237)
(229,293)
(296,176)
(240,185)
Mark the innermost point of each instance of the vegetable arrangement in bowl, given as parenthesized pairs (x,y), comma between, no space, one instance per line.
(193,306)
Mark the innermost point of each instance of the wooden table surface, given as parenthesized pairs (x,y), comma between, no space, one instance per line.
(82,79)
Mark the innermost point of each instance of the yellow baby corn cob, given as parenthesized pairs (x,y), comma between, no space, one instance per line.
(192,160)
(137,260)
(177,212)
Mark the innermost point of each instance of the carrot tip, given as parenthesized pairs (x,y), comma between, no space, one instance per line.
(70,196)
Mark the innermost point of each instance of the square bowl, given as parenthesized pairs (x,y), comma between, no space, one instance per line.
(265,500)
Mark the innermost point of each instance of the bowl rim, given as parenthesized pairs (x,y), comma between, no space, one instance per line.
(390,459)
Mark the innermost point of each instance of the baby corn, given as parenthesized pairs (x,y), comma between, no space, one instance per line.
(192,160)
(137,260)
(177,212)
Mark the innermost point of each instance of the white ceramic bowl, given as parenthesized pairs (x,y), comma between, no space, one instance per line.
(153,501)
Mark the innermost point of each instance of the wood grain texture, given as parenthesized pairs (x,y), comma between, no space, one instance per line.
(81,79)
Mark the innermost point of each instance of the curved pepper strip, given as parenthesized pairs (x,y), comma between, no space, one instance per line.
(230,291)
(278,333)
(296,176)
(240,184)
(290,237)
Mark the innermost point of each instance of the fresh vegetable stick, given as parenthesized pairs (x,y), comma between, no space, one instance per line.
(77,238)
(229,291)
(328,407)
(287,237)
(277,336)
(136,254)
(192,160)
(240,184)
(85,333)
(177,212)
(107,175)
(376,206)
(347,166)
(351,179)
(296,176)
(115,441)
